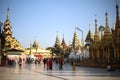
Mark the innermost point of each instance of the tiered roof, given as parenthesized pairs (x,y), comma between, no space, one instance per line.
(10,42)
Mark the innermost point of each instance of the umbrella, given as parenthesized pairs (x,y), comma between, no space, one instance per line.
(38,55)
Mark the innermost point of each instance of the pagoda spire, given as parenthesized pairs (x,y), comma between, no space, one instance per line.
(57,42)
(107,29)
(96,29)
(8,14)
(75,42)
(35,44)
(63,43)
(117,17)
(7,26)
(10,41)
(89,27)
(117,11)
(89,37)
(96,36)
(106,14)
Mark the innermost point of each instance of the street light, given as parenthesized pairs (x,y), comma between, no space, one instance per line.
(82,40)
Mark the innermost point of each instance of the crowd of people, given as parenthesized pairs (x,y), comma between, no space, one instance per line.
(48,63)
(12,62)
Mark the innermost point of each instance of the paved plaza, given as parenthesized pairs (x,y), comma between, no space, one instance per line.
(39,72)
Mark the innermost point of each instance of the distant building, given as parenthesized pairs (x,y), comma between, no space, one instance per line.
(36,51)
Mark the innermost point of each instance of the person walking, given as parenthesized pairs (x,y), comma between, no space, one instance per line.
(61,61)
(47,64)
(50,63)
(44,61)
(73,64)
(20,62)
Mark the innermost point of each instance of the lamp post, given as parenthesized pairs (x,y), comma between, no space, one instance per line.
(82,41)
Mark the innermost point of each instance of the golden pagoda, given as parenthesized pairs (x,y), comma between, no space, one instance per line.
(35,51)
(57,42)
(10,41)
(108,47)
(90,37)
(76,43)
(116,38)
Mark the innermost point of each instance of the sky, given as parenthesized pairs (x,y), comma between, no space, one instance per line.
(44,19)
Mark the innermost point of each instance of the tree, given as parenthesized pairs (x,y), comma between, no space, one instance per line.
(57,50)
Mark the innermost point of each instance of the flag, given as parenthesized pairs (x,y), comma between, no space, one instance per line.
(79,29)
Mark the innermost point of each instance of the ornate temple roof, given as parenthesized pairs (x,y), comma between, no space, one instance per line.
(63,44)
(90,36)
(75,43)
(57,42)
(10,42)
(35,44)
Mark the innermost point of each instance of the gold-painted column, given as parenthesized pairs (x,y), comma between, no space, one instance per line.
(117,53)
(109,54)
(114,54)
(98,56)
(103,54)
(93,54)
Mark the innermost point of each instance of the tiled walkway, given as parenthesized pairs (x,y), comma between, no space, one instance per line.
(38,72)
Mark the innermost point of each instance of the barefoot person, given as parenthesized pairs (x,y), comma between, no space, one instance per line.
(61,61)
(20,62)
